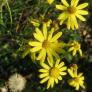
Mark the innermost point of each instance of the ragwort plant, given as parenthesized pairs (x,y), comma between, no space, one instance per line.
(48,47)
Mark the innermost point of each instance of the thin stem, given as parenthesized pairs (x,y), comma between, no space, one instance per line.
(5,1)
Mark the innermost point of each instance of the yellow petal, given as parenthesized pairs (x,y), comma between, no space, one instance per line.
(50,1)
(41,54)
(54,53)
(82,78)
(49,83)
(74,20)
(56,80)
(69,23)
(35,22)
(70,49)
(38,31)
(80,74)
(50,62)
(45,66)
(33,56)
(60,78)
(50,34)
(63,68)
(57,62)
(75,72)
(43,70)
(74,3)
(65,2)
(38,37)
(61,65)
(61,7)
(35,43)
(82,86)
(81,6)
(72,26)
(70,20)
(62,16)
(80,51)
(52,82)
(35,49)
(70,73)
(63,73)
(49,54)
(43,75)
(71,82)
(77,87)
(44,56)
(80,17)
(82,12)
(44,80)
(55,37)
(74,52)
(45,31)
(61,22)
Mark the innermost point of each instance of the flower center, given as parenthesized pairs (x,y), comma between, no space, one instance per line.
(71,9)
(46,44)
(77,46)
(54,72)
(76,79)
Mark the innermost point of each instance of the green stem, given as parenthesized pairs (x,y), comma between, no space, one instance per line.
(1,15)
(5,1)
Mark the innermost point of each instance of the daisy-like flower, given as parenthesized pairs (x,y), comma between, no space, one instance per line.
(16,83)
(71,12)
(52,73)
(50,1)
(77,79)
(44,43)
(74,47)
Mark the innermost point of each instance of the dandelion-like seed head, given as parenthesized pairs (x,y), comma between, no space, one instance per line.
(16,83)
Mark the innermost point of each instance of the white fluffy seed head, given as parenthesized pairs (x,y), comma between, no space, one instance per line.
(16,83)
(3,89)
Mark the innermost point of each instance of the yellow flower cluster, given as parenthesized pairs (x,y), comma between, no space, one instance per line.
(47,48)
(77,80)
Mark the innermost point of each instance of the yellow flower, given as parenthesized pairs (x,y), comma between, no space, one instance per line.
(44,43)
(52,73)
(27,52)
(75,46)
(71,13)
(37,22)
(48,22)
(50,1)
(77,80)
